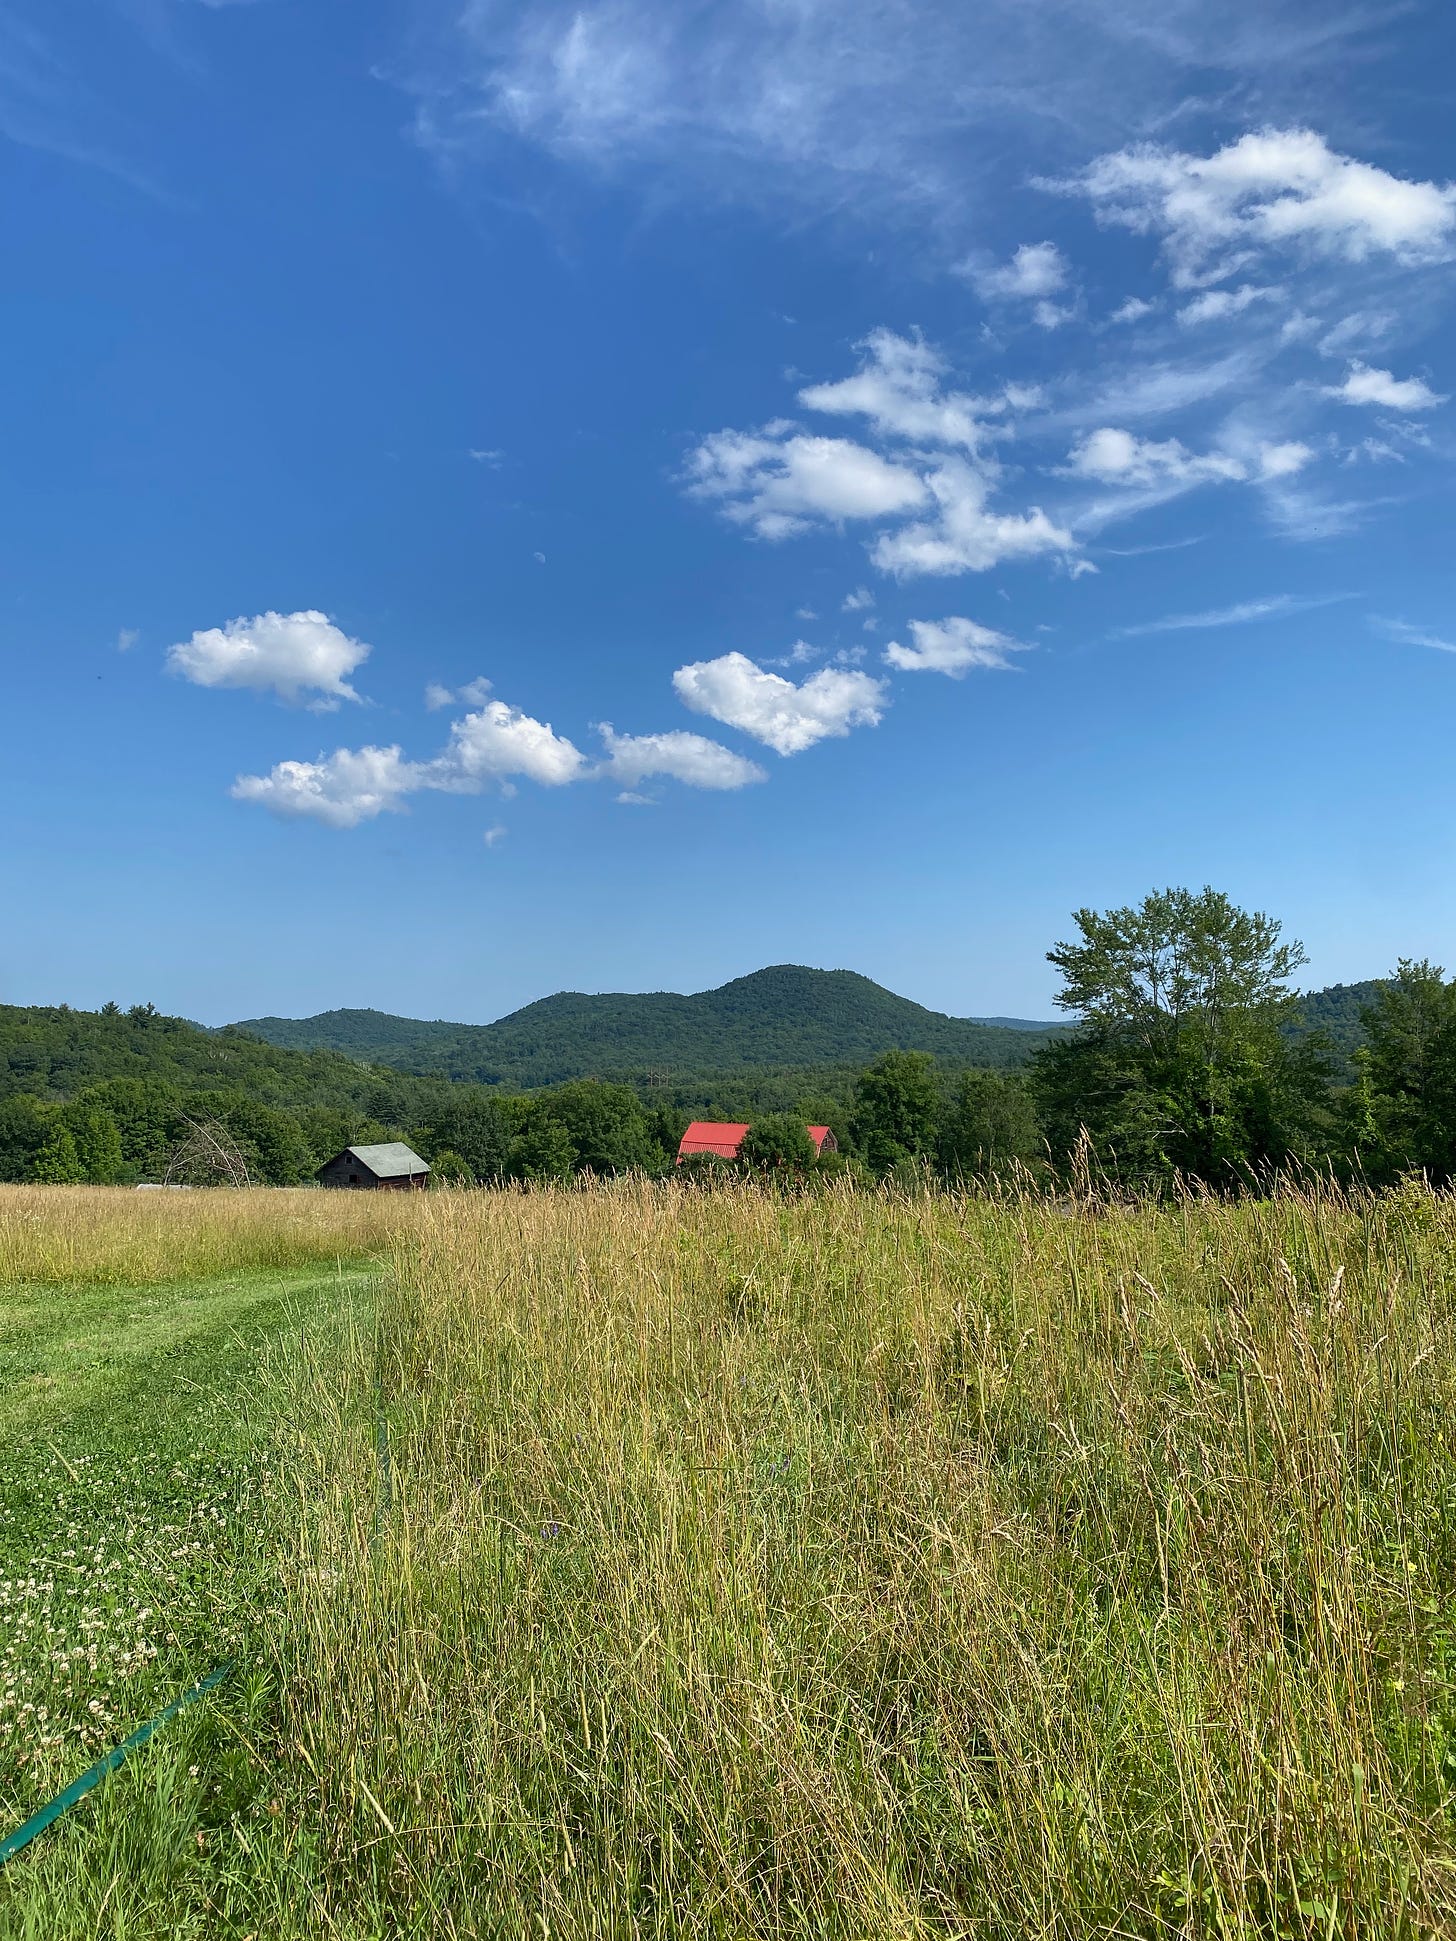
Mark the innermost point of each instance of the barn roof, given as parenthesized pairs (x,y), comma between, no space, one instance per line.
(704,1135)
(724,1138)
(392,1161)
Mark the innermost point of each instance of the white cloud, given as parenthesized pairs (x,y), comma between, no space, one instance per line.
(1132,310)
(126,639)
(1282,461)
(952,647)
(967,536)
(898,388)
(786,717)
(1239,615)
(1363,385)
(1117,457)
(1409,636)
(860,106)
(779,481)
(1277,187)
(342,789)
(1051,316)
(1214,305)
(289,654)
(497,741)
(491,458)
(472,693)
(857,602)
(693,759)
(1036,270)
(494,835)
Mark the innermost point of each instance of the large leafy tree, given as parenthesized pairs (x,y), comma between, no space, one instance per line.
(1183,1063)
(778,1144)
(1410,1074)
(990,1126)
(897,1109)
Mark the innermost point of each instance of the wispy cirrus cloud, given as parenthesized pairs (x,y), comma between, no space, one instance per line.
(1241,614)
(1412,636)
(834,103)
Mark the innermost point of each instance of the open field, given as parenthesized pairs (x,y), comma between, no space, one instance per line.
(652,1562)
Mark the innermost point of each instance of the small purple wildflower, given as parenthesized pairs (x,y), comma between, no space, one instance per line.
(550,1531)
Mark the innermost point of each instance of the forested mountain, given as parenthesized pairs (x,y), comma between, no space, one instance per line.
(786,1017)
(1336,1012)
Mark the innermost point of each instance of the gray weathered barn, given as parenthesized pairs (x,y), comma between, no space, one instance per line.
(392,1167)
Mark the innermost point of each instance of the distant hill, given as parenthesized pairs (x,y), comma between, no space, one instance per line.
(1336,1011)
(786,1017)
(53,1052)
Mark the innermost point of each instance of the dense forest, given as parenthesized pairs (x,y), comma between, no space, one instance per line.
(784,1018)
(1188,1056)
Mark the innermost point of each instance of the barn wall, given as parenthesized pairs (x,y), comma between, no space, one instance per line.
(337,1172)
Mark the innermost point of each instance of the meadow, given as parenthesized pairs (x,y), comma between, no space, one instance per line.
(657,1561)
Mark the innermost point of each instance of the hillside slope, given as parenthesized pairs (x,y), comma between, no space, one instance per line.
(54,1052)
(785,1017)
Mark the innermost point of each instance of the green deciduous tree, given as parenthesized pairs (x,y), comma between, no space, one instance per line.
(541,1148)
(990,1126)
(98,1140)
(25,1125)
(475,1126)
(1182,1064)
(57,1163)
(897,1110)
(778,1145)
(1411,1028)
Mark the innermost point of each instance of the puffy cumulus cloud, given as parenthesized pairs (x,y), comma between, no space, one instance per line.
(967,535)
(781,480)
(1282,461)
(1034,275)
(497,742)
(678,755)
(1116,457)
(289,654)
(1274,188)
(951,647)
(1165,467)
(343,789)
(1036,270)
(899,388)
(1364,385)
(785,717)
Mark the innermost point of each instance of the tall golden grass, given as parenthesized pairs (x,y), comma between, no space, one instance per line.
(901,1566)
(53,1234)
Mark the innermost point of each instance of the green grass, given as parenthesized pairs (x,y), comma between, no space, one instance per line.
(137,1436)
(841,1567)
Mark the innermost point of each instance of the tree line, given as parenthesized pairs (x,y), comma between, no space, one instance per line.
(1186,1062)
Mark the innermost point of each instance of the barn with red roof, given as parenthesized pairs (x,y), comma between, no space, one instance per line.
(723,1139)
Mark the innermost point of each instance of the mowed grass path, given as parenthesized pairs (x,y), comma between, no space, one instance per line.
(137,1434)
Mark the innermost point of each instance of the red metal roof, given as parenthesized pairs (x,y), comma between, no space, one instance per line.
(704,1136)
(708,1135)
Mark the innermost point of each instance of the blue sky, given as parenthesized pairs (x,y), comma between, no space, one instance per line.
(610,495)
